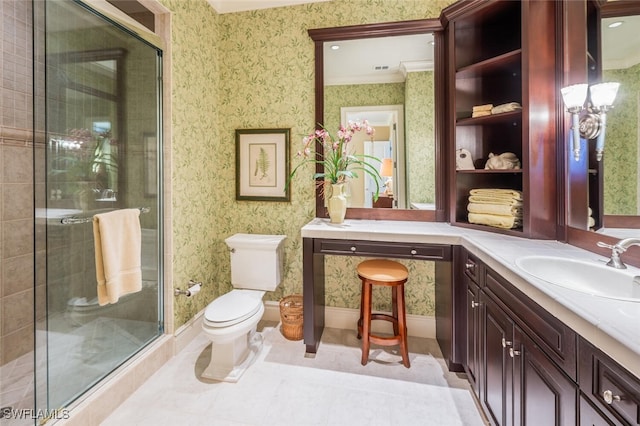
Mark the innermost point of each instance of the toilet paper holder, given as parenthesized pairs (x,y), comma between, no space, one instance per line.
(194,287)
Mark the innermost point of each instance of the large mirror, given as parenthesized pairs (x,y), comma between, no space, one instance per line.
(389,74)
(620,58)
(610,224)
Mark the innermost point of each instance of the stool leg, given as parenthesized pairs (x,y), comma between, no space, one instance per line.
(402,325)
(366,321)
(359,325)
(394,309)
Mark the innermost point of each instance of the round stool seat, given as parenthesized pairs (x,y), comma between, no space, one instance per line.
(382,270)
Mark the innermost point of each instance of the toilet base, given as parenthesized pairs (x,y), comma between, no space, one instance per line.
(230,360)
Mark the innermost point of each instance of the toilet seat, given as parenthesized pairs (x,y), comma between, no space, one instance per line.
(232,308)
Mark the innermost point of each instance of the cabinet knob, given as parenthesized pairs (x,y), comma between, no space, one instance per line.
(506,343)
(414,252)
(469,265)
(609,397)
(353,248)
(513,353)
(474,304)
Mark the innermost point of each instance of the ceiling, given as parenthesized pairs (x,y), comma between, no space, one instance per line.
(377,60)
(620,45)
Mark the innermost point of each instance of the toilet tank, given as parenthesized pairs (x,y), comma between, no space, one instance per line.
(257,261)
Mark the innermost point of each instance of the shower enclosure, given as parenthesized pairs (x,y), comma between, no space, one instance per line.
(97,139)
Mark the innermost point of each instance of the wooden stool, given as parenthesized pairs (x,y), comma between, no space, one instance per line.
(390,274)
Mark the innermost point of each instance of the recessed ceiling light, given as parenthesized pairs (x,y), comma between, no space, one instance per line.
(615,24)
(335,47)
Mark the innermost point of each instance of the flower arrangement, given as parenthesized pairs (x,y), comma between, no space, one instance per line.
(339,161)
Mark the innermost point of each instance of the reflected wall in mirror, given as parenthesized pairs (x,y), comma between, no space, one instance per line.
(372,79)
(620,59)
(412,80)
(82,169)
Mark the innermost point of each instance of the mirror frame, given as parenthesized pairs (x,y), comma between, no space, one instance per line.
(388,29)
(574,53)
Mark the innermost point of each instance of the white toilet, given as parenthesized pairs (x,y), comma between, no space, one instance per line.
(230,321)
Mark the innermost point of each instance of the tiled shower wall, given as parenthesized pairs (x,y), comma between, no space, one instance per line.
(16,183)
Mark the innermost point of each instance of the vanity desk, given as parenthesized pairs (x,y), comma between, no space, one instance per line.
(573,334)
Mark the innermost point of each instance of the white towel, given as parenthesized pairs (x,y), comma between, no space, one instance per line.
(118,245)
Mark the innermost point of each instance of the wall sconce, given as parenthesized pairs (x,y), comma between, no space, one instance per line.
(386,170)
(593,124)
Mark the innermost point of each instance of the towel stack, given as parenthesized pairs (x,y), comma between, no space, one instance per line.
(489,109)
(500,208)
(481,110)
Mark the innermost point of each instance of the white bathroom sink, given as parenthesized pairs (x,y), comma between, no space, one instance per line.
(588,277)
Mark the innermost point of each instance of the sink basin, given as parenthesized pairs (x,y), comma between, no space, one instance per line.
(588,277)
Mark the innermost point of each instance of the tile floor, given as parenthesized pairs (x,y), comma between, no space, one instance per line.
(283,387)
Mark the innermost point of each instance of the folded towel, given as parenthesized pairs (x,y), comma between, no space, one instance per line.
(476,114)
(494,200)
(511,106)
(118,245)
(497,209)
(485,107)
(504,222)
(497,193)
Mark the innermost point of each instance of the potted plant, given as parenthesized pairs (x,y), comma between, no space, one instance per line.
(339,163)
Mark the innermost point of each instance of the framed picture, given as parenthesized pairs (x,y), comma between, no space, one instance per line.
(262,164)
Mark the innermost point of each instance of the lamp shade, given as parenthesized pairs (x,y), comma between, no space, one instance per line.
(603,94)
(386,168)
(574,95)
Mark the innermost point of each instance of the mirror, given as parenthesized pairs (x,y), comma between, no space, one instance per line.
(83,166)
(621,178)
(379,96)
(392,80)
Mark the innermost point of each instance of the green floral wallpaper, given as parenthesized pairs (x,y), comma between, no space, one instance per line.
(621,148)
(351,95)
(252,70)
(420,131)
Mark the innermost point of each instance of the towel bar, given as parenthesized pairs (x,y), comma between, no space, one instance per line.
(72,220)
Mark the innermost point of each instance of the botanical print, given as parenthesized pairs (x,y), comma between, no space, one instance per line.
(263,158)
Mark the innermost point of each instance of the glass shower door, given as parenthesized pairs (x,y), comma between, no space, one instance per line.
(100,94)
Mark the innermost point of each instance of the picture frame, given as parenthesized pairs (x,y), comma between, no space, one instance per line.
(262,164)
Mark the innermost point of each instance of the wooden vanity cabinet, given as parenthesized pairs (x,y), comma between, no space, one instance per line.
(613,392)
(473,309)
(520,361)
(526,367)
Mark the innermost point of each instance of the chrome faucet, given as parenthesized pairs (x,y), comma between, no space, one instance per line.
(617,249)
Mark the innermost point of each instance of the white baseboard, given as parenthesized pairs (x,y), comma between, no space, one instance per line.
(188,331)
(344,318)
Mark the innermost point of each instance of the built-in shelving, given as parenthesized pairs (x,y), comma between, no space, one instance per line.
(503,53)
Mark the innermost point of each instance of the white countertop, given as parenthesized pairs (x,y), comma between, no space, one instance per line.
(611,325)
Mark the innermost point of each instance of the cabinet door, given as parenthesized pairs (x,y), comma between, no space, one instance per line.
(590,416)
(497,368)
(542,394)
(474,309)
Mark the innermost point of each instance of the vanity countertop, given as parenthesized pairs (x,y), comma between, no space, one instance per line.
(611,325)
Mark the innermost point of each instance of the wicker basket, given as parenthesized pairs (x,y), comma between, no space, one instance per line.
(291,316)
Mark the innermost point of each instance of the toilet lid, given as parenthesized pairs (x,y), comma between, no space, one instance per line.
(231,308)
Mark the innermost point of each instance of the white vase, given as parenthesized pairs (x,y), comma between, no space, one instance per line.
(337,203)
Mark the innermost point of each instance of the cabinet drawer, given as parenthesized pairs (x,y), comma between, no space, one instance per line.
(558,341)
(384,249)
(471,266)
(614,390)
